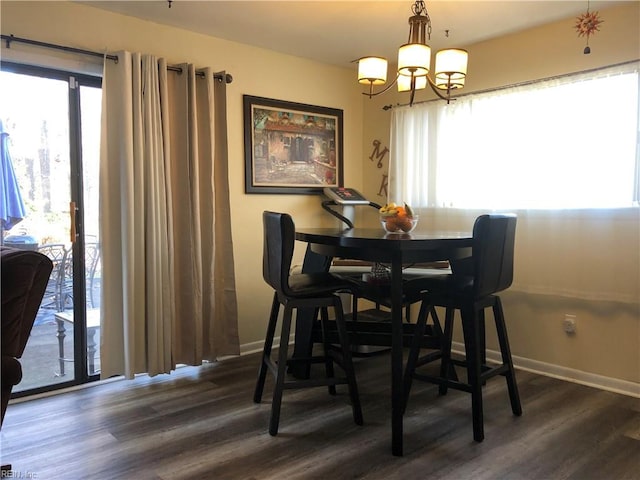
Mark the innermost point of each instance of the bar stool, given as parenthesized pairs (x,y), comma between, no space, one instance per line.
(295,291)
(471,288)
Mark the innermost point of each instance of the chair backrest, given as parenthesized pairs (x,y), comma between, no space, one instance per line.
(493,248)
(279,239)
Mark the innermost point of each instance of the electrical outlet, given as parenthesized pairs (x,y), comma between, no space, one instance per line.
(569,324)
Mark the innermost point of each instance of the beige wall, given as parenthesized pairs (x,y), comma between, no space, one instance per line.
(608,339)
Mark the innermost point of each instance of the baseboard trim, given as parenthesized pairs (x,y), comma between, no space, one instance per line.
(615,385)
(253,347)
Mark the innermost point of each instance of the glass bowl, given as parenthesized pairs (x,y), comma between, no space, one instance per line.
(398,224)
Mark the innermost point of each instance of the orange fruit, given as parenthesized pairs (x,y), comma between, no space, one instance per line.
(404,224)
(392,224)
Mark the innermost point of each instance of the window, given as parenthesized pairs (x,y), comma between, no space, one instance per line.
(564,143)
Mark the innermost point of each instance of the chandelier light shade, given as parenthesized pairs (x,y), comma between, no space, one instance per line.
(372,70)
(451,68)
(414,59)
(414,63)
(404,83)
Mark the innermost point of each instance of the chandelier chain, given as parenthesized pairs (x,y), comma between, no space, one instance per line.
(419,7)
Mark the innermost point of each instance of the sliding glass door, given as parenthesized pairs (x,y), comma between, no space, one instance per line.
(51,121)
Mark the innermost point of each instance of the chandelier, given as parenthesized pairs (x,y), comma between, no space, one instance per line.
(414,61)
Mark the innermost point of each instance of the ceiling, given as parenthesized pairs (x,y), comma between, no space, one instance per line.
(338,32)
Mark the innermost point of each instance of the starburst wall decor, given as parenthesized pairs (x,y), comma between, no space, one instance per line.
(587,24)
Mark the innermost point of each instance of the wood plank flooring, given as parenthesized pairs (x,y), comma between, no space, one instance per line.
(201,423)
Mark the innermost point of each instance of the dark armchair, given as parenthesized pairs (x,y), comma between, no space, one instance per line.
(25,275)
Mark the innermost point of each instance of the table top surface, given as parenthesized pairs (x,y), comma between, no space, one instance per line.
(376,238)
(93,317)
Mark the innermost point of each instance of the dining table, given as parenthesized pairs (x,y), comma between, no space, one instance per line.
(395,251)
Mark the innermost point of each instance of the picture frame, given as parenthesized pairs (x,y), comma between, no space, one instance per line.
(291,148)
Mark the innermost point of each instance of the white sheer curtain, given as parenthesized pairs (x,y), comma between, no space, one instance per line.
(568,142)
(168,280)
(412,172)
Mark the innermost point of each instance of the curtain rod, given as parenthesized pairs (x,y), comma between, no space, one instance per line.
(11,38)
(520,84)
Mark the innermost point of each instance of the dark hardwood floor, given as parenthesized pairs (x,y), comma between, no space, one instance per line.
(201,423)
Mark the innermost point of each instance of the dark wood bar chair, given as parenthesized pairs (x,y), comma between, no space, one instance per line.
(471,288)
(316,291)
(359,328)
(369,324)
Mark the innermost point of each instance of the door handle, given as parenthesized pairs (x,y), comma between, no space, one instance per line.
(72,213)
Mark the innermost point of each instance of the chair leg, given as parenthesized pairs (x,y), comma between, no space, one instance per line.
(414,350)
(505,351)
(266,352)
(473,354)
(447,369)
(354,307)
(347,361)
(283,355)
(328,361)
(482,337)
(437,328)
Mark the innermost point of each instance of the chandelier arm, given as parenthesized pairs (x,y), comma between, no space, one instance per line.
(436,90)
(413,90)
(371,93)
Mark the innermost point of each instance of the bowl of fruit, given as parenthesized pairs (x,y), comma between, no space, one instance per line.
(398,218)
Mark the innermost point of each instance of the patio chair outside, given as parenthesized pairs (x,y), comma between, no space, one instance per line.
(53,296)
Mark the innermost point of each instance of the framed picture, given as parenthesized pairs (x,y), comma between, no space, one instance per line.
(291,147)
